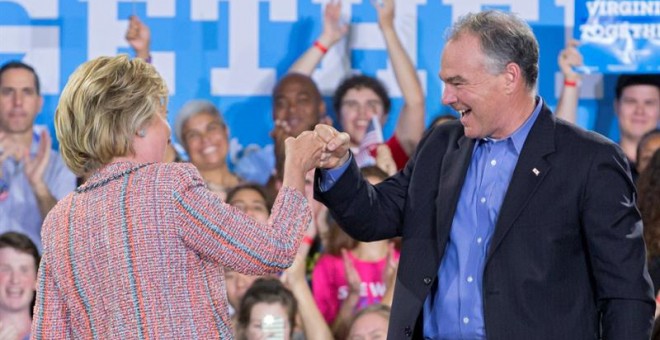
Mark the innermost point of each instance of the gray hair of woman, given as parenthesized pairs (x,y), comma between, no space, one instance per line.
(190,109)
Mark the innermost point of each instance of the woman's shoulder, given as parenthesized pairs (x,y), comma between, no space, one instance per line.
(171,176)
(177,170)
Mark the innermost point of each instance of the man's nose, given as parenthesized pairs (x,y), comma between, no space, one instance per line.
(18,98)
(448,96)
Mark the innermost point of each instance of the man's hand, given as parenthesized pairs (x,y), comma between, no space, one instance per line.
(36,167)
(138,36)
(10,148)
(336,146)
(304,152)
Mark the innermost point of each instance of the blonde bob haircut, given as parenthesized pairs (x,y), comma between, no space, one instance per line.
(103,105)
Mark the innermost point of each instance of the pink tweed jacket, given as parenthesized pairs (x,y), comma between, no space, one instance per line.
(138,252)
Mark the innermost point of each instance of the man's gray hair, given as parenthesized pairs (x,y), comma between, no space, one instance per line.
(504,38)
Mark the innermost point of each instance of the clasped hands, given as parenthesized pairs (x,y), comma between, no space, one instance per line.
(324,147)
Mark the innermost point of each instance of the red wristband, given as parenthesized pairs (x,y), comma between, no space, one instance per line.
(570,83)
(320,46)
(307,240)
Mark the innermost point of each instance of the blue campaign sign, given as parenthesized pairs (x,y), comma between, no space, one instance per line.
(619,36)
(233,51)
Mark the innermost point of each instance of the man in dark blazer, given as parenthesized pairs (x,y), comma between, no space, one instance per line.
(515,225)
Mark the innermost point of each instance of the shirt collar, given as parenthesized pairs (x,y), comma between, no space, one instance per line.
(519,136)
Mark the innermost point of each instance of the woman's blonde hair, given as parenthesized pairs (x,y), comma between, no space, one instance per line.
(104,103)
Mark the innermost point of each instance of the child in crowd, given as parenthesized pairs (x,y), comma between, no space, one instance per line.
(352,275)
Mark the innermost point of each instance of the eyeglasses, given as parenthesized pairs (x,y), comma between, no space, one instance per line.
(195,136)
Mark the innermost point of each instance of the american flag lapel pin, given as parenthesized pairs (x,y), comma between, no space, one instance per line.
(536,171)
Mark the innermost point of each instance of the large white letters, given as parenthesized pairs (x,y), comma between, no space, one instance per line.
(39,44)
(105,34)
(243,76)
(527,9)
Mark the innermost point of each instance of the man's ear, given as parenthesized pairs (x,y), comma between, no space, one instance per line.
(513,77)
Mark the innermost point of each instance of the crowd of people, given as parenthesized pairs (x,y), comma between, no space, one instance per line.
(505,222)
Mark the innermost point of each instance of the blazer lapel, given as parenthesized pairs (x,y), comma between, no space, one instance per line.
(452,175)
(531,169)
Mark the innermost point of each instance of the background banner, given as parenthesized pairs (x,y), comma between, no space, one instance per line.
(619,36)
(233,51)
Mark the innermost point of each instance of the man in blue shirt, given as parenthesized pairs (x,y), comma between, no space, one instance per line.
(514,225)
(32,176)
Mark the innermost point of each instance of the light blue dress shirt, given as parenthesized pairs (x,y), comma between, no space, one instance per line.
(453,310)
(19,211)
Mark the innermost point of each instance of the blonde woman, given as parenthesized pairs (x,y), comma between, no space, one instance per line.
(138,251)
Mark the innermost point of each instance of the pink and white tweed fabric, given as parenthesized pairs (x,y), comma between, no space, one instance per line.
(138,253)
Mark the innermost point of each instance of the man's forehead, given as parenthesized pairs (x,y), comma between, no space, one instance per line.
(17,76)
(296,83)
(636,89)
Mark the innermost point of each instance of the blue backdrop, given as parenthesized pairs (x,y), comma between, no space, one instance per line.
(233,51)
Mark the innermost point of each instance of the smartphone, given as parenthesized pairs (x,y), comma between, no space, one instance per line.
(273,327)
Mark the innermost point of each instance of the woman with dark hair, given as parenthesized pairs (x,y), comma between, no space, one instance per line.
(647,146)
(648,187)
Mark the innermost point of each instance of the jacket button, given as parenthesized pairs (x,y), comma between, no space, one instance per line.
(408,331)
(427,280)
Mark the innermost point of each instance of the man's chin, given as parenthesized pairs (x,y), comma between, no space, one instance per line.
(471,133)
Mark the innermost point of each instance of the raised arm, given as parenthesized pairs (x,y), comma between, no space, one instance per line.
(333,31)
(410,125)
(570,92)
(138,36)
(35,171)
(226,235)
(313,322)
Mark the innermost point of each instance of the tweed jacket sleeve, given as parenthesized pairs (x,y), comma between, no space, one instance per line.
(138,252)
(55,317)
(228,236)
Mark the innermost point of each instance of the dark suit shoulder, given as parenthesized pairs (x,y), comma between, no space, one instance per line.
(446,134)
(579,140)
